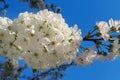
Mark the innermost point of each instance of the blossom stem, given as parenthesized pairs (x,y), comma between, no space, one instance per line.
(94,40)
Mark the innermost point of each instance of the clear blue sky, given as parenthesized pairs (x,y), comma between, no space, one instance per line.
(85,13)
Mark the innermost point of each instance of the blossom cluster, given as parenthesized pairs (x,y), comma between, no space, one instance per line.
(110,34)
(42,40)
(90,55)
(105,28)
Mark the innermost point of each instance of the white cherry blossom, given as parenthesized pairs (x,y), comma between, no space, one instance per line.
(86,58)
(114,24)
(104,29)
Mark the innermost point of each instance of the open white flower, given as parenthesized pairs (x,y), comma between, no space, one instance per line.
(5,22)
(86,58)
(104,29)
(114,24)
